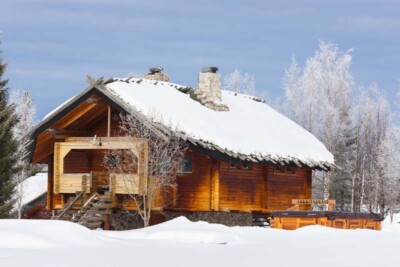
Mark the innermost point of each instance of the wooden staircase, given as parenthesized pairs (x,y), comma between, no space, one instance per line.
(94,212)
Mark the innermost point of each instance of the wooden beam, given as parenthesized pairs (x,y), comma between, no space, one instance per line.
(80,113)
(109,121)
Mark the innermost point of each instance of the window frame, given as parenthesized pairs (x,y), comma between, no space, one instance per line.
(191,164)
(284,170)
(240,166)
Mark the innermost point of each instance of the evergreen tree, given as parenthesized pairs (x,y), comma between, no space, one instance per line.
(8,146)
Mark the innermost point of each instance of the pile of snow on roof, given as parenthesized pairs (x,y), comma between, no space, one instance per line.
(250,127)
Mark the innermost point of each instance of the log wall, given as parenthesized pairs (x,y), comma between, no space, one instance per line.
(212,186)
(282,188)
(241,190)
(194,189)
(216,186)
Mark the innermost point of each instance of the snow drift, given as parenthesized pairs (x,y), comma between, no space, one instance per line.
(183,243)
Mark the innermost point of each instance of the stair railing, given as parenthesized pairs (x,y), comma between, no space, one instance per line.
(69,206)
(89,200)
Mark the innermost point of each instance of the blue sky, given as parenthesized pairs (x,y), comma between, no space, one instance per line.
(52,45)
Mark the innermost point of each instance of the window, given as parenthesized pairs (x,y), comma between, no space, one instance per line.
(185,165)
(284,169)
(241,166)
(279,169)
(290,169)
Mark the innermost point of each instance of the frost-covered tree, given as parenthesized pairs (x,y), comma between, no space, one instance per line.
(8,146)
(318,98)
(376,172)
(25,112)
(164,155)
(239,82)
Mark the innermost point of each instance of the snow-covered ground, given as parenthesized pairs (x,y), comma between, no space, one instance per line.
(184,243)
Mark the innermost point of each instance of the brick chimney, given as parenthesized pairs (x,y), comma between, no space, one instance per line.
(209,91)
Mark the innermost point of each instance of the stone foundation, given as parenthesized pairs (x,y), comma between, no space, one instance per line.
(225,218)
(127,220)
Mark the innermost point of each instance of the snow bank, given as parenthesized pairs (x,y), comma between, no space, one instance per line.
(35,234)
(249,127)
(182,243)
(182,230)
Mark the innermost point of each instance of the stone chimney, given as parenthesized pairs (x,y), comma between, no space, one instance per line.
(209,91)
(157,75)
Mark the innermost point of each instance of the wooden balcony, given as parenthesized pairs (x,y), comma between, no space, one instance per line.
(75,182)
(67,183)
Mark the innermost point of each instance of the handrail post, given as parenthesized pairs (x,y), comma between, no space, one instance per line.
(69,206)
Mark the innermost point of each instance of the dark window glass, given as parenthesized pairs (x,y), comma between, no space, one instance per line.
(241,166)
(185,165)
(279,169)
(246,166)
(290,169)
(235,165)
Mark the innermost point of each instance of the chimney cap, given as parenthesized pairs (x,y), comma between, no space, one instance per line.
(209,69)
(156,69)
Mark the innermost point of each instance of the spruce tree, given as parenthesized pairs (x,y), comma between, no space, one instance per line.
(8,146)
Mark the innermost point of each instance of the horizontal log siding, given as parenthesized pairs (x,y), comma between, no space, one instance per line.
(76,162)
(240,189)
(100,128)
(282,188)
(194,190)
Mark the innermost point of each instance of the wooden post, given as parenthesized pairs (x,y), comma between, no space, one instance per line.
(107,224)
(109,121)
(84,184)
(215,186)
(50,179)
(112,184)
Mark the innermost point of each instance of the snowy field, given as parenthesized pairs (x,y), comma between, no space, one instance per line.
(184,243)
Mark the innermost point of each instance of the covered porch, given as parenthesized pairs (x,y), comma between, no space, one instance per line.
(78,167)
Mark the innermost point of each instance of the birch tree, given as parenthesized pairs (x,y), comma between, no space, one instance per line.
(375,180)
(317,97)
(164,155)
(25,112)
(239,82)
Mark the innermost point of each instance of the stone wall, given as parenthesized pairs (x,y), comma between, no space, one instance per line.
(126,220)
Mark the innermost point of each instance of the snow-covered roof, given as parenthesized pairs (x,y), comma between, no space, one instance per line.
(248,128)
(33,187)
(250,131)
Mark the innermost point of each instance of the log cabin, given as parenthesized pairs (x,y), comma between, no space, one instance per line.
(243,157)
